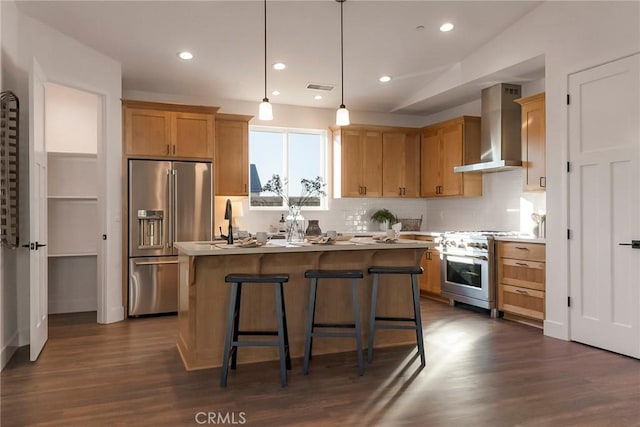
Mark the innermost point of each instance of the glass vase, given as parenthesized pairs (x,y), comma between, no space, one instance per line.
(295,225)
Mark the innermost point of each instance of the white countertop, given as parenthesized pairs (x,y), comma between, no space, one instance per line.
(279,246)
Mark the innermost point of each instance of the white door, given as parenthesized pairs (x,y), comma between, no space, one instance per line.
(37,214)
(604,186)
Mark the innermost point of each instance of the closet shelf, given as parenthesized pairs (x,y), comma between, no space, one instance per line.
(79,254)
(73,197)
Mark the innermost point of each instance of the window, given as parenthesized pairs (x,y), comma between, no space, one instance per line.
(292,154)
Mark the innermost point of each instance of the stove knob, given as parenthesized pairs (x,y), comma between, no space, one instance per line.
(473,245)
(461,245)
(484,246)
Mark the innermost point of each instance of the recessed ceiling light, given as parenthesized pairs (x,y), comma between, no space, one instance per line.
(385,79)
(185,55)
(447,26)
(275,93)
(317,97)
(279,66)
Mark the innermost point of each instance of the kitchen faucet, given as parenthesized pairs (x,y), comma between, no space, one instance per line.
(228,215)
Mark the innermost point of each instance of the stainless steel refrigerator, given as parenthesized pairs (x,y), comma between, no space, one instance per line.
(168,202)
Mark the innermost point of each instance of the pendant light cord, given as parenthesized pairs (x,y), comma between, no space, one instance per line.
(265,51)
(342,53)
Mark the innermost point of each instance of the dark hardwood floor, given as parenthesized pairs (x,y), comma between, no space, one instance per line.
(480,372)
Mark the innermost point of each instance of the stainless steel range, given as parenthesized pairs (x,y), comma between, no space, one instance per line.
(468,268)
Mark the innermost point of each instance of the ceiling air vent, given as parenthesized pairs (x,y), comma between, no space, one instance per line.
(320,86)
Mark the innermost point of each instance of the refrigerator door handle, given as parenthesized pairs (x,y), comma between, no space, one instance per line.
(169,209)
(174,213)
(155,262)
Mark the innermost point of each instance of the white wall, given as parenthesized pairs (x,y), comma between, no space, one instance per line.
(72,120)
(69,63)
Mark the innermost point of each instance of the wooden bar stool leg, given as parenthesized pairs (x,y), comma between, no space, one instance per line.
(372,317)
(310,321)
(356,316)
(286,331)
(281,347)
(418,316)
(315,298)
(236,327)
(228,335)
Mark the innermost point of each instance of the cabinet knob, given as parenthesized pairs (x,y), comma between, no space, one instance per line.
(167,148)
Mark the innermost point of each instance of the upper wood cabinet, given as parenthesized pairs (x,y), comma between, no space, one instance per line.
(361,160)
(231,160)
(401,163)
(168,130)
(533,142)
(445,145)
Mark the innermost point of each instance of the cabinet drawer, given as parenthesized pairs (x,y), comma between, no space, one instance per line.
(524,251)
(521,301)
(526,274)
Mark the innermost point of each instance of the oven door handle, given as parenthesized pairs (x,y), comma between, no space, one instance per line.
(465,259)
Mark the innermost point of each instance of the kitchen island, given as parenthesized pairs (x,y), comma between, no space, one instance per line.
(203,295)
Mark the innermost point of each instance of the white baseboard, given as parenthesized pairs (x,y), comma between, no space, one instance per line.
(556,330)
(115,314)
(23,337)
(70,305)
(8,350)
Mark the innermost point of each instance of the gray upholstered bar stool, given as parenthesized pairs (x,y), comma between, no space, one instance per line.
(416,319)
(314,275)
(231,342)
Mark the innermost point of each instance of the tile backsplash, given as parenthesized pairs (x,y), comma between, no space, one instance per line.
(502,207)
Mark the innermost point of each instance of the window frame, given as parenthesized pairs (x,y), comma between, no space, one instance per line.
(324,163)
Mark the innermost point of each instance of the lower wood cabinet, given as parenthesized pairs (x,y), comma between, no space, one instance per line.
(521,281)
(430,262)
(430,279)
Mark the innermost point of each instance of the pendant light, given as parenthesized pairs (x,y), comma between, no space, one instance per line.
(342,115)
(264,111)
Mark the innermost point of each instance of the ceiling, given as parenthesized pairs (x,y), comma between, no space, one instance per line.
(227,39)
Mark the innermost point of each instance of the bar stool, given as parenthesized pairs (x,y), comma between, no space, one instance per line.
(314,275)
(231,342)
(416,319)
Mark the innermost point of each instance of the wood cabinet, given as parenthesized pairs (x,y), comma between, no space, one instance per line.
(445,145)
(533,142)
(231,160)
(430,280)
(360,160)
(401,163)
(521,281)
(168,130)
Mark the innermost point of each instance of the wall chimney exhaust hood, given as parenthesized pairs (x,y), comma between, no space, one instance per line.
(500,146)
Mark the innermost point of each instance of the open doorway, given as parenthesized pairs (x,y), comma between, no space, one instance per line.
(73,143)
